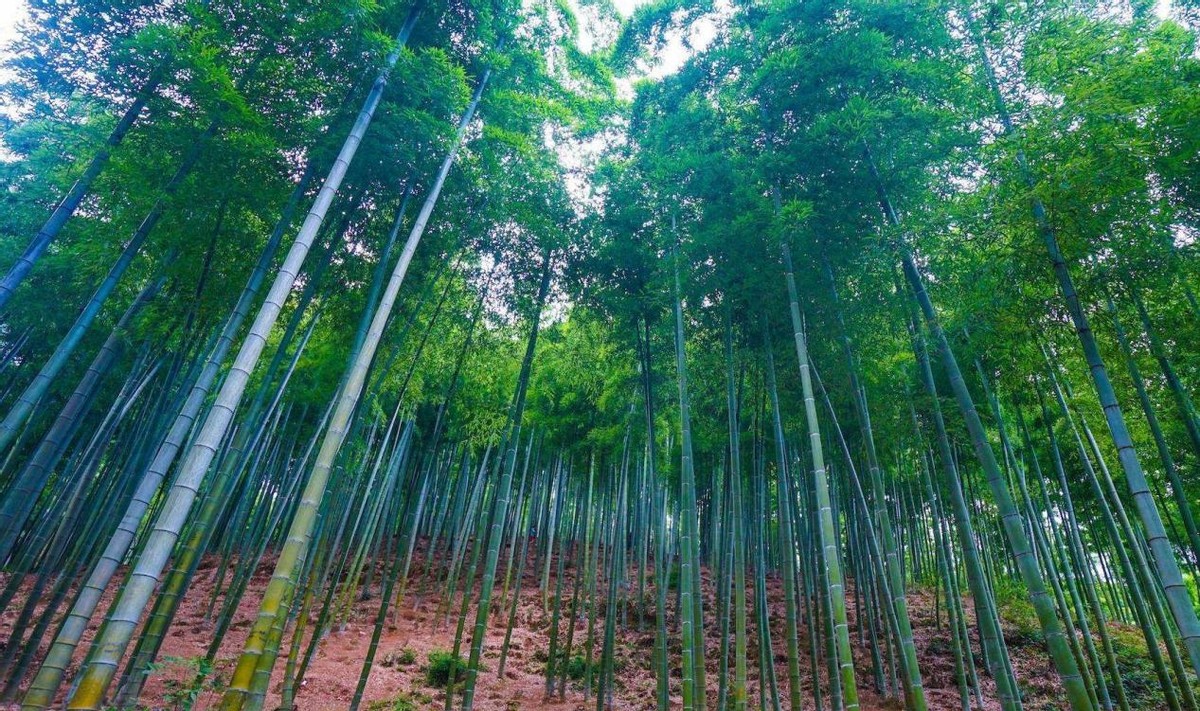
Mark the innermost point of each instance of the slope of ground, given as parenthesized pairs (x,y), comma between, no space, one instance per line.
(421,626)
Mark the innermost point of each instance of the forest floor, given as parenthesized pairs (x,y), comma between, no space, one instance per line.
(421,627)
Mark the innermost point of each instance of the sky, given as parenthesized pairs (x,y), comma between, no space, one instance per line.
(13,11)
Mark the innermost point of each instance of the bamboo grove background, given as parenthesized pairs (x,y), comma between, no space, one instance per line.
(868,302)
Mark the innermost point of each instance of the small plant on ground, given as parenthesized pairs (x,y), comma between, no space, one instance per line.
(577,666)
(1137,669)
(401,658)
(187,679)
(403,702)
(1020,622)
(442,665)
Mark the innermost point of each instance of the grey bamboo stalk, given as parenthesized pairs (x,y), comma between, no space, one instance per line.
(128,608)
(991,639)
(504,490)
(1134,577)
(1164,451)
(33,392)
(23,408)
(45,685)
(1011,519)
(736,527)
(23,494)
(914,689)
(71,201)
(191,549)
(787,527)
(825,524)
(1187,409)
(692,629)
(1163,554)
(277,596)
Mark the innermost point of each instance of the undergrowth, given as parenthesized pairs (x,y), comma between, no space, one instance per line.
(402,702)
(442,665)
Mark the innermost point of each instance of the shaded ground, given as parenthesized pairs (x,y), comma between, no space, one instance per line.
(421,626)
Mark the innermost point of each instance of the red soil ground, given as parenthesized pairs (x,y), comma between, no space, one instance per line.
(421,627)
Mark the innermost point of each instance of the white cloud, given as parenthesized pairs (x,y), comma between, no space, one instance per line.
(11,13)
(626,7)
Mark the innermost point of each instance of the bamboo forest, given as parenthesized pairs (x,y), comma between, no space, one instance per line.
(600,354)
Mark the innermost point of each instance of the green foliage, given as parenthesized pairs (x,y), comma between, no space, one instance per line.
(1017,616)
(644,34)
(1137,672)
(403,658)
(443,665)
(673,577)
(577,668)
(792,126)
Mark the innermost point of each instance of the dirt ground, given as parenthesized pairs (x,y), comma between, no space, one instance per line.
(421,626)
